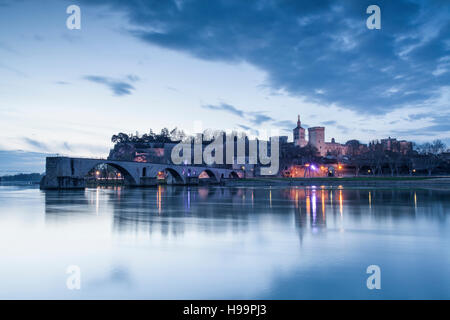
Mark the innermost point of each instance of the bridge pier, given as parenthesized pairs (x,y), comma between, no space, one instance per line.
(148,181)
(192,180)
(59,183)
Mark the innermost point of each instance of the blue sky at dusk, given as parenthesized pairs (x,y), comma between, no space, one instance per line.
(233,64)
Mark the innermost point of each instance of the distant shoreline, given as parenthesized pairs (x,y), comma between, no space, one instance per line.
(409,182)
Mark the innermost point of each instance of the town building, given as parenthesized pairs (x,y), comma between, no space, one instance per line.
(394,145)
(316,139)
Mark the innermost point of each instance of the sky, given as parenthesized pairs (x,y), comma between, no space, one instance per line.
(230,64)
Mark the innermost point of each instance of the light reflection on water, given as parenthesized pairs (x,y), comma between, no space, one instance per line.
(220,242)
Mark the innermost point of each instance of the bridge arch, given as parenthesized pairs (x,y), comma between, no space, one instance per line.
(211,174)
(177,176)
(129,179)
(233,175)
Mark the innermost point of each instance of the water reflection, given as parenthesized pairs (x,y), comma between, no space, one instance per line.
(222,209)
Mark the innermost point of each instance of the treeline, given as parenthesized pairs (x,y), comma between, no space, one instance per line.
(28,177)
(165,136)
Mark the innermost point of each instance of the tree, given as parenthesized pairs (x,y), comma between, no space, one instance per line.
(394,160)
(177,135)
(437,147)
(427,162)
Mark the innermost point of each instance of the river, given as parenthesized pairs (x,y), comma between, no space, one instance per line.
(221,242)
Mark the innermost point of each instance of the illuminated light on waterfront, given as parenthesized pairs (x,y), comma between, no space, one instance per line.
(270,198)
(313,167)
(189,199)
(158,199)
(313,200)
(252,198)
(323,202)
(160,175)
(308,205)
(415,200)
(339,167)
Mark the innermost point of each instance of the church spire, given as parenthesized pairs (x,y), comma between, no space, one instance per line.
(299,124)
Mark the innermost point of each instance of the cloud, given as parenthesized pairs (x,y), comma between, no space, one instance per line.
(254,117)
(66,146)
(244,127)
(319,49)
(118,87)
(287,124)
(35,144)
(225,107)
(13,70)
(418,116)
(249,129)
(62,82)
(258,118)
(7,48)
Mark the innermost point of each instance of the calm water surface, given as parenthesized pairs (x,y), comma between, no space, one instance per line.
(221,242)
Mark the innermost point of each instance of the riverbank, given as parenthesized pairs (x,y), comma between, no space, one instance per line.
(396,182)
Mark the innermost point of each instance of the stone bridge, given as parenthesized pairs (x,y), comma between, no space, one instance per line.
(71,173)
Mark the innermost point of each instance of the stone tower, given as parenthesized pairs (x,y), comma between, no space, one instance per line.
(316,138)
(299,134)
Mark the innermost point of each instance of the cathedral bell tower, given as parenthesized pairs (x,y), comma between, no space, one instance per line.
(299,134)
